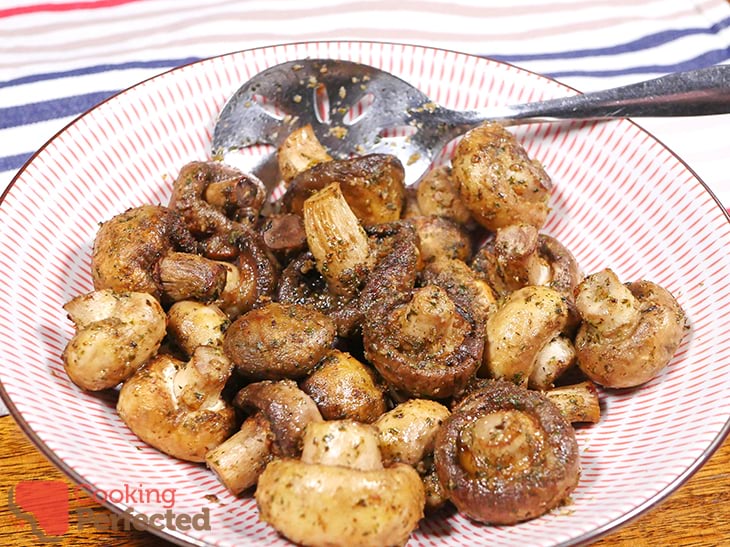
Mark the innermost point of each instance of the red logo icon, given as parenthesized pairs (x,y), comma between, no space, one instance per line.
(44,505)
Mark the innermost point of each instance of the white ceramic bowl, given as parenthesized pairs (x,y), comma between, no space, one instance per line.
(621,200)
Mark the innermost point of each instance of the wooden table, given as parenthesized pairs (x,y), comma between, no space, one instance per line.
(696,515)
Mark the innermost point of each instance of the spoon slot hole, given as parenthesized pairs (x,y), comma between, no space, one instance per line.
(269,106)
(358,110)
(400,132)
(321,103)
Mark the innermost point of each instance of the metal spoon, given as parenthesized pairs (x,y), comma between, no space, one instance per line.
(351,106)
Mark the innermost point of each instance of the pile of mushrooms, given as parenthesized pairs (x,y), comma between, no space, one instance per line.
(365,353)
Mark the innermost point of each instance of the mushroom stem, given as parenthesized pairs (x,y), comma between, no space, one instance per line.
(240,460)
(577,402)
(337,240)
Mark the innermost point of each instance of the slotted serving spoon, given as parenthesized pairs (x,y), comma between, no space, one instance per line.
(355,108)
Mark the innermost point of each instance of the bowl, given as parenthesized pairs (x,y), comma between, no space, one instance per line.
(620,199)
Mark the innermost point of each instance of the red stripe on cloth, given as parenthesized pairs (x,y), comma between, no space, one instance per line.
(66,6)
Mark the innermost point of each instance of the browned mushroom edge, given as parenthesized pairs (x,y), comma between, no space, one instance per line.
(496,472)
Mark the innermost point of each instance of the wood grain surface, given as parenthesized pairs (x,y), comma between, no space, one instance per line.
(697,515)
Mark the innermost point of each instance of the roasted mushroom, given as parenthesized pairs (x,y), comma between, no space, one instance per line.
(186,276)
(516,332)
(577,402)
(407,435)
(441,237)
(300,151)
(373,186)
(337,241)
(176,407)
(278,341)
(424,346)
(555,357)
(215,201)
(115,334)
(506,454)
(463,286)
(128,247)
(518,256)
(345,388)
(279,413)
(497,181)
(364,505)
(191,324)
(629,332)
(437,195)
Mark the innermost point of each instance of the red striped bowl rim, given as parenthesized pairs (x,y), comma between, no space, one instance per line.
(621,199)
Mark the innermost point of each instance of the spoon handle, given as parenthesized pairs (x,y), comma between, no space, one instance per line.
(693,93)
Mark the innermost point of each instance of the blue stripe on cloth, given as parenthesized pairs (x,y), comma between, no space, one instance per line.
(12,163)
(646,42)
(702,61)
(49,110)
(96,69)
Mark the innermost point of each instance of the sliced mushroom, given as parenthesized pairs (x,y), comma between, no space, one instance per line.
(278,341)
(115,334)
(629,332)
(176,407)
(497,181)
(343,387)
(506,454)
(354,506)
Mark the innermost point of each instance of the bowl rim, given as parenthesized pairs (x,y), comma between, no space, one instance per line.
(184,540)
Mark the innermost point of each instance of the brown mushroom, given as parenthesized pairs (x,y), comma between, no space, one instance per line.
(345,388)
(437,195)
(115,334)
(516,332)
(506,454)
(518,256)
(279,413)
(128,247)
(216,200)
(424,346)
(278,341)
(373,186)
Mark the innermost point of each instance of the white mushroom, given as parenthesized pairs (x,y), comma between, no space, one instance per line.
(192,324)
(321,502)
(177,407)
(116,333)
